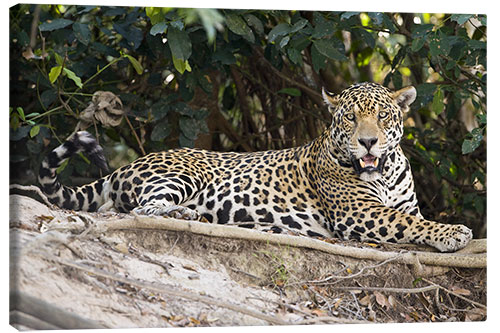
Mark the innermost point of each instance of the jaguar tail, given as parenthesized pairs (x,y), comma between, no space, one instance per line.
(87,197)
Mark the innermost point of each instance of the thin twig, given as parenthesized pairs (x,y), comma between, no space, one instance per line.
(390,290)
(135,135)
(455,294)
(345,277)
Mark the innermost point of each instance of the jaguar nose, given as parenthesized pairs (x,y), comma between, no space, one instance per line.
(368,143)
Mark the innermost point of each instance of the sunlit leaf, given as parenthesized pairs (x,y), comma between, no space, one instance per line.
(438,102)
(136,64)
(71,75)
(54,73)
(34,131)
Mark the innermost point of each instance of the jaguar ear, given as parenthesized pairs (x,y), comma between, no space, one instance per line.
(330,99)
(404,97)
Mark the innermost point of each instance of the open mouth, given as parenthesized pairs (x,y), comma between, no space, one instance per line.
(368,163)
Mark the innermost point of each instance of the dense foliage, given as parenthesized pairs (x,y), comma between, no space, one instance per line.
(249,80)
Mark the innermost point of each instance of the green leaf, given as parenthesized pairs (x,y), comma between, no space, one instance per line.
(476,44)
(469,145)
(225,56)
(326,47)
(54,24)
(322,26)
(237,24)
(388,23)
(71,75)
(20,111)
(82,32)
(318,59)
(137,66)
(348,15)
(461,18)
(132,34)
(290,91)
(481,119)
(181,65)
(183,109)
(62,166)
(376,17)
(421,31)
(439,46)
(185,142)
(189,127)
(158,28)
(161,131)
(156,14)
(59,59)
(34,131)
(295,56)
(299,25)
(425,92)
(255,23)
(54,73)
(281,29)
(180,44)
(23,38)
(284,41)
(438,102)
(417,44)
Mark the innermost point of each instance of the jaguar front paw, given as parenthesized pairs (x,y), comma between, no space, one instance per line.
(454,238)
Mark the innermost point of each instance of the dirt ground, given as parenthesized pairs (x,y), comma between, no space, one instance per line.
(157,278)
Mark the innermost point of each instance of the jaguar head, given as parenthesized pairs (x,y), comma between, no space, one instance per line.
(367,125)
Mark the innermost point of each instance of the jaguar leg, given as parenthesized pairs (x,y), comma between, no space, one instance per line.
(389,225)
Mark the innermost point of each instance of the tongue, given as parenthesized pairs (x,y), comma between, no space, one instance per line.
(368,161)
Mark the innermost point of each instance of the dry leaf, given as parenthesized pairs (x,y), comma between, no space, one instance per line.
(365,301)
(122,248)
(194,321)
(414,315)
(475,314)
(319,312)
(45,218)
(105,108)
(461,291)
(381,300)
(190,268)
(28,54)
(392,301)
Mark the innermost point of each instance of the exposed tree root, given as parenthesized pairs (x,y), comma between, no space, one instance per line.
(462,259)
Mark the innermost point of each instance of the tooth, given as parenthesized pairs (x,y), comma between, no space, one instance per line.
(362,163)
(375,163)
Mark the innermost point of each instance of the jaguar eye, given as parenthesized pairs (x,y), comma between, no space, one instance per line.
(382,114)
(350,116)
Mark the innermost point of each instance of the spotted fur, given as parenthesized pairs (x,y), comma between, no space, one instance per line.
(353,181)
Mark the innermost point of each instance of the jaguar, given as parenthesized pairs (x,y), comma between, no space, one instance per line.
(352,182)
